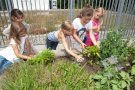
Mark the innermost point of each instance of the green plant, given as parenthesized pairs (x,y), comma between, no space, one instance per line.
(114,45)
(112,79)
(131,52)
(45,57)
(133,70)
(20,77)
(61,75)
(91,53)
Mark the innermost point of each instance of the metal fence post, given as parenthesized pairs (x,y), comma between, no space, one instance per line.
(119,13)
(71,10)
(9,8)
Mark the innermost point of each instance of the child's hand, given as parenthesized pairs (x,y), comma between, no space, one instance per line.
(29,57)
(83,45)
(79,58)
(32,55)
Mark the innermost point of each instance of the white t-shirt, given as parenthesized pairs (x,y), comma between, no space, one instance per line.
(8,52)
(81,30)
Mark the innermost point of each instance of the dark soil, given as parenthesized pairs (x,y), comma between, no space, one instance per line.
(132,87)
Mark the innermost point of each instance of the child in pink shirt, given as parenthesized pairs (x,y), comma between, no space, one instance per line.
(92,34)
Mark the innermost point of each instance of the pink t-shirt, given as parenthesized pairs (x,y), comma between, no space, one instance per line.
(96,34)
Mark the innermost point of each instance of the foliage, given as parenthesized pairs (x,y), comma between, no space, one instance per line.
(112,79)
(91,53)
(131,52)
(71,77)
(133,68)
(109,61)
(45,57)
(62,75)
(114,45)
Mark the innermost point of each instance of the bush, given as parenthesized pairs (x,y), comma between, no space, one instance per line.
(114,45)
(91,53)
(45,57)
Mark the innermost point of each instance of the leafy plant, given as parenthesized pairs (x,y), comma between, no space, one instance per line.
(109,61)
(114,45)
(112,79)
(45,57)
(91,53)
(131,52)
(133,70)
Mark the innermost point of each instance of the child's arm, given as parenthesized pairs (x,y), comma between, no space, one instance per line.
(18,54)
(78,58)
(68,39)
(6,31)
(96,28)
(78,39)
(29,48)
(93,38)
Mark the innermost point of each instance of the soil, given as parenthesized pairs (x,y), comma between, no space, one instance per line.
(132,87)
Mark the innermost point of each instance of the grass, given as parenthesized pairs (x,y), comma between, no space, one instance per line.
(62,75)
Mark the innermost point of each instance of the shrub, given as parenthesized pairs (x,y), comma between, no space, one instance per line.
(114,45)
(45,57)
(91,53)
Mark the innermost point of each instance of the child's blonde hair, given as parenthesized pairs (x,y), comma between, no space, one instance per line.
(67,25)
(100,9)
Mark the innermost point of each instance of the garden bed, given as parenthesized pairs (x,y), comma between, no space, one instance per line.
(112,67)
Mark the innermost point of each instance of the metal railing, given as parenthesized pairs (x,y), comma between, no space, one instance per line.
(46,15)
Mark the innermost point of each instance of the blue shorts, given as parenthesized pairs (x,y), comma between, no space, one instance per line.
(4,64)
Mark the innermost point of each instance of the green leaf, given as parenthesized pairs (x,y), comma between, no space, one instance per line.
(114,81)
(98,77)
(133,61)
(98,85)
(123,84)
(133,70)
(114,87)
(104,80)
(123,74)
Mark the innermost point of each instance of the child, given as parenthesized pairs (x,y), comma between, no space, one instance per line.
(92,34)
(53,39)
(79,24)
(17,18)
(11,53)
